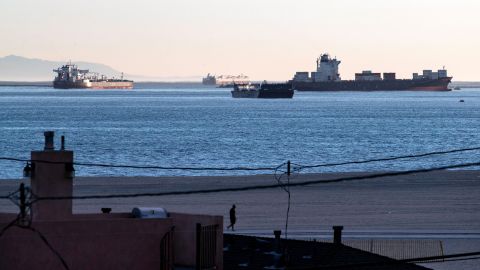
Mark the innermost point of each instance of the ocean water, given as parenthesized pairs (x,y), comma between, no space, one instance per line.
(167,125)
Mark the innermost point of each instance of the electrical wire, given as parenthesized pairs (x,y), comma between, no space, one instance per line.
(9,225)
(152,167)
(285,186)
(45,241)
(452,260)
(300,167)
(260,187)
(25,222)
(271,168)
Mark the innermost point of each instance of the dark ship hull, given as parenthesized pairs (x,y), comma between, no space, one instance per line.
(379,85)
(69,85)
(277,90)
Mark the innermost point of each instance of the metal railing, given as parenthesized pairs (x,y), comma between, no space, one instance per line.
(399,249)
(167,253)
(206,246)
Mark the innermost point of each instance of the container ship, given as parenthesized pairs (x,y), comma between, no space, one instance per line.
(70,76)
(327,78)
(263,90)
(225,81)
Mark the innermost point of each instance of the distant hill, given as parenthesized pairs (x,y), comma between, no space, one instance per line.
(17,68)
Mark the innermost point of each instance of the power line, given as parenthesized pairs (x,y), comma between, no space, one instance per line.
(45,241)
(260,187)
(148,166)
(240,168)
(16,223)
(9,225)
(387,159)
(454,260)
(279,184)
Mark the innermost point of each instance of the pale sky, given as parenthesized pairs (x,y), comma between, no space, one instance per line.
(265,39)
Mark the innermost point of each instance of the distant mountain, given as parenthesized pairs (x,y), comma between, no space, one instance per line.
(17,68)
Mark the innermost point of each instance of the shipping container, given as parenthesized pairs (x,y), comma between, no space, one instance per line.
(389,76)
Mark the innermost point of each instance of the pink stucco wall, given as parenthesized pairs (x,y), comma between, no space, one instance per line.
(49,180)
(113,243)
(104,241)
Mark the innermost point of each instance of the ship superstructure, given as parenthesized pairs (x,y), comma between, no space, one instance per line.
(70,76)
(327,78)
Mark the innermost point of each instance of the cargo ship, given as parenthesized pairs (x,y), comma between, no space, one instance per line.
(327,78)
(225,81)
(70,76)
(263,90)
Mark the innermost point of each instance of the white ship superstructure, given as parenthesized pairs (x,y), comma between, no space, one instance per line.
(70,74)
(327,70)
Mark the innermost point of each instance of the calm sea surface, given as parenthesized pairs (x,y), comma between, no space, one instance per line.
(205,127)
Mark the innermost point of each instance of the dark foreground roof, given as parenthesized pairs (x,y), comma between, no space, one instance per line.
(247,252)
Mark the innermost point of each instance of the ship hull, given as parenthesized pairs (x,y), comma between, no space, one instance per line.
(265,91)
(209,82)
(69,85)
(93,85)
(112,85)
(245,94)
(381,85)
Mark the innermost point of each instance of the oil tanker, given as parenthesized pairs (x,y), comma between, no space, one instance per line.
(327,78)
(70,76)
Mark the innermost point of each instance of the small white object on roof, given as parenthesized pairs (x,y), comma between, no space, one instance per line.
(149,212)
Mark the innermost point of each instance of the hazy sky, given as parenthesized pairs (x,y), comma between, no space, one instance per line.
(265,39)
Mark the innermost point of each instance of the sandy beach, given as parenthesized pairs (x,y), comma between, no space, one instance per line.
(436,201)
(442,205)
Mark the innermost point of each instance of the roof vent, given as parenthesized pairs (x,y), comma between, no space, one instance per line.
(149,212)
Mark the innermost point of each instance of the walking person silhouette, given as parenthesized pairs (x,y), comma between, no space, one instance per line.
(233,218)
